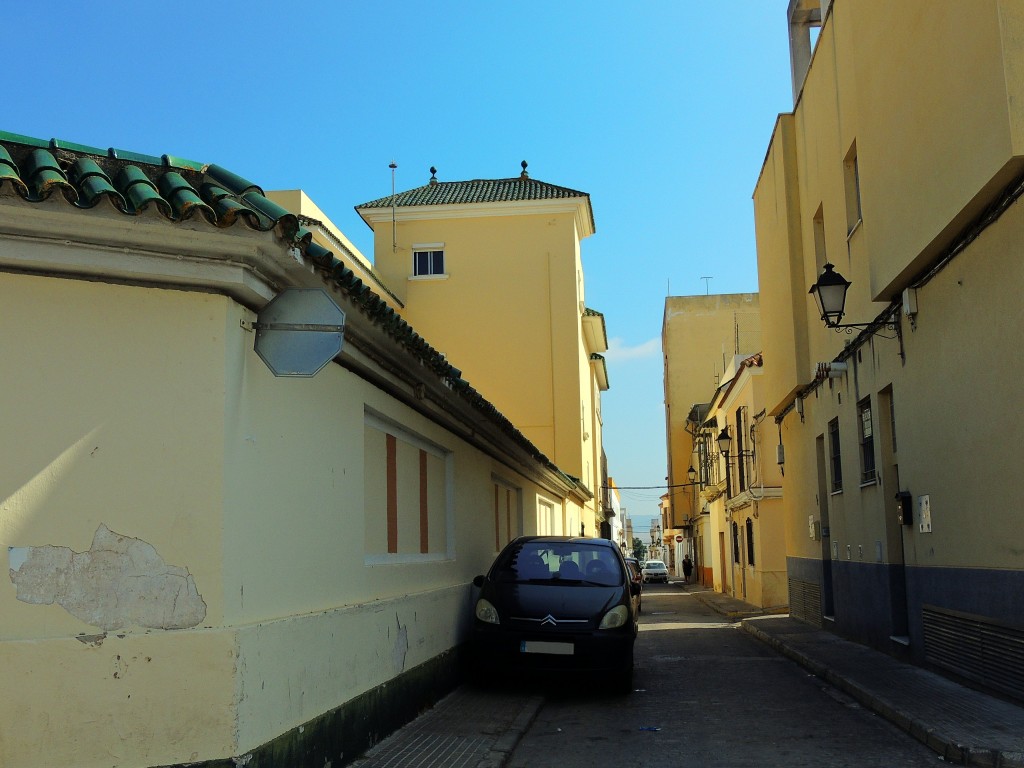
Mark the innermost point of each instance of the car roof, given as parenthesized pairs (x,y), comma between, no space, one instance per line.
(566,540)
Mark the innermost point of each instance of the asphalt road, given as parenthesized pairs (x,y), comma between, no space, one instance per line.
(708,694)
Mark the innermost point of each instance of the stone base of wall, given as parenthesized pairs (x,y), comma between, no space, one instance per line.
(340,736)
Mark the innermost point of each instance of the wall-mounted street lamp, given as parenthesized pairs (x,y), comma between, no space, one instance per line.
(830,295)
(724,440)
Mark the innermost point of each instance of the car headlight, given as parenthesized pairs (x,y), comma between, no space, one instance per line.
(486,612)
(616,617)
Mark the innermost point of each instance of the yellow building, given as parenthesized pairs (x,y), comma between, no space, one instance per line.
(208,562)
(490,271)
(899,171)
(741,533)
(700,335)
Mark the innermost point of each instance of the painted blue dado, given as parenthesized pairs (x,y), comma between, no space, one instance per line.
(993,594)
(874,602)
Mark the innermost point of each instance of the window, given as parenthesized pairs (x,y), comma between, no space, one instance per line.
(867,442)
(428,260)
(892,419)
(742,455)
(820,257)
(408,494)
(851,178)
(750,541)
(735,544)
(545,518)
(506,514)
(835,459)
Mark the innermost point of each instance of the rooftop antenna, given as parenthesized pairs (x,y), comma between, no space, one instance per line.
(707,284)
(394,224)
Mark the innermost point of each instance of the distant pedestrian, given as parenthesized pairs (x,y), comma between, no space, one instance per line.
(687,569)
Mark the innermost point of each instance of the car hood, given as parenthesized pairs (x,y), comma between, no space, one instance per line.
(564,601)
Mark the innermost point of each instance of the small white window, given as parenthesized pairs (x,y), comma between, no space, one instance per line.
(428,260)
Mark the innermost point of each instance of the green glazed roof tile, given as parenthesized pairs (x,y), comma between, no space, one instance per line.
(44,176)
(180,162)
(140,191)
(94,184)
(272,212)
(9,172)
(184,200)
(231,181)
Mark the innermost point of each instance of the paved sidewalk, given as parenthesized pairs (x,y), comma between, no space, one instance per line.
(469,728)
(964,726)
(473,728)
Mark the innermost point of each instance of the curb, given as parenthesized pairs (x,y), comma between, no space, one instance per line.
(506,743)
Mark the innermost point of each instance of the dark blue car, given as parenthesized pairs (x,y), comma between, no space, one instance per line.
(557,604)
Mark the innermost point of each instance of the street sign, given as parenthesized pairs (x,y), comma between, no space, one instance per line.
(299,332)
(679,537)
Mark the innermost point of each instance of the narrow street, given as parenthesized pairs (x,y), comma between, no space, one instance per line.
(700,681)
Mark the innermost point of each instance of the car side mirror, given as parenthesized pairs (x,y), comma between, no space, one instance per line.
(634,588)
(478,581)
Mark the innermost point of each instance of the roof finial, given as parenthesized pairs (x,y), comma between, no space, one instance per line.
(433,175)
(524,174)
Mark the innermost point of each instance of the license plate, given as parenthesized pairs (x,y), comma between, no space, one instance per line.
(540,646)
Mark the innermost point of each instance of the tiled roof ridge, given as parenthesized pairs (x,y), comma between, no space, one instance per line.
(222,199)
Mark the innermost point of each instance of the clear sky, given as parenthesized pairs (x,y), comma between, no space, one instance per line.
(661,110)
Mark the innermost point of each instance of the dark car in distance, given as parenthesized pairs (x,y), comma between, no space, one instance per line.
(636,573)
(557,604)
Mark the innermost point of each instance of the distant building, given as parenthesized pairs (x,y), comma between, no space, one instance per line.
(700,337)
(741,528)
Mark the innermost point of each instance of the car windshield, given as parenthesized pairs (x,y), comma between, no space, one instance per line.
(569,562)
(655,565)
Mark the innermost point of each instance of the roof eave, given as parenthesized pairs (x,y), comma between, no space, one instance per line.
(578,206)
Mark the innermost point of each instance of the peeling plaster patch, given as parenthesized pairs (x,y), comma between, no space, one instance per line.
(401,646)
(94,640)
(118,582)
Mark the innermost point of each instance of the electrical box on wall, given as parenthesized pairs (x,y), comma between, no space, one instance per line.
(924,513)
(814,528)
(904,508)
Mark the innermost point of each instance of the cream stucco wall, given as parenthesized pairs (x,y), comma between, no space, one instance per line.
(147,411)
(508,314)
(501,275)
(937,140)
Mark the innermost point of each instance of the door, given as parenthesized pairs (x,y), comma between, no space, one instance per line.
(724,562)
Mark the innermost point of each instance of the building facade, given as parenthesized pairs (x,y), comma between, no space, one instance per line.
(700,336)
(740,532)
(900,170)
(490,270)
(208,563)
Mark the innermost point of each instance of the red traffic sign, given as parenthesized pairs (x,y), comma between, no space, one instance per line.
(679,537)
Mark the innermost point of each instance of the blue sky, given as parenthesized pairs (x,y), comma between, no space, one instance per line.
(660,110)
